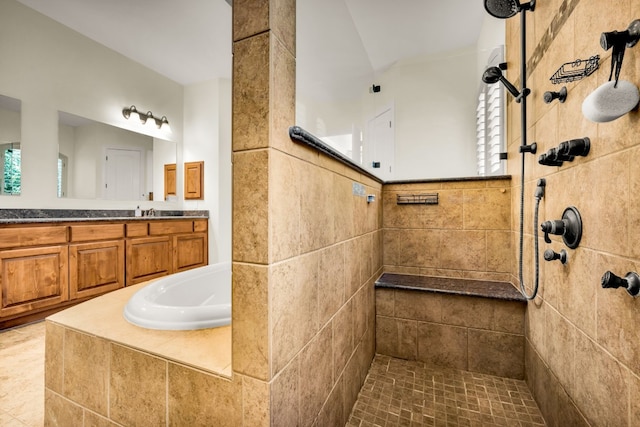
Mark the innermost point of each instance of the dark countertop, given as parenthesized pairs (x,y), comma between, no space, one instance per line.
(468,287)
(26,216)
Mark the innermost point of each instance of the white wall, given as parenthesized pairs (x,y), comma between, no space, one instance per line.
(49,68)
(434,98)
(207,136)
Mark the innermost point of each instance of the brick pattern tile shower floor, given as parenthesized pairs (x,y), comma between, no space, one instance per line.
(408,393)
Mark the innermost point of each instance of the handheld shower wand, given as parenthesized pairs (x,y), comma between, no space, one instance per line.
(504,9)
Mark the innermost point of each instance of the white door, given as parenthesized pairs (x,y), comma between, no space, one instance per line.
(382,138)
(123,172)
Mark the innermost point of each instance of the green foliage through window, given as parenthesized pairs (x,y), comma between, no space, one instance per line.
(11,179)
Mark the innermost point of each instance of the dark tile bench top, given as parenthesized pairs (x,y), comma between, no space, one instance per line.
(445,285)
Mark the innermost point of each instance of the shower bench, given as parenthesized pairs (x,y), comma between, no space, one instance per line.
(466,324)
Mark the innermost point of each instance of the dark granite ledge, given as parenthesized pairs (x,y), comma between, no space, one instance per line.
(466,287)
(18,216)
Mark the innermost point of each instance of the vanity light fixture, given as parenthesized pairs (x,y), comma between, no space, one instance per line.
(127,112)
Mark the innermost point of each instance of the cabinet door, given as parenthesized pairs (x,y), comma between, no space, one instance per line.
(95,268)
(148,258)
(31,279)
(190,251)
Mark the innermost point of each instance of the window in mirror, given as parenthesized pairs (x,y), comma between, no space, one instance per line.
(62,175)
(11,175)
(10,154)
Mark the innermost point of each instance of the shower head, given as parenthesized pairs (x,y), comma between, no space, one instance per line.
(494,75)
(506,8)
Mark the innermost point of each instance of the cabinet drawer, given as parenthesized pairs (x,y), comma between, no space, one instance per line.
(200,225)
(93,232)
(137,229)
(32,236)
(170,227)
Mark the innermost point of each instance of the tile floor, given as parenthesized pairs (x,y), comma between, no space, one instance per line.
(22,376)
(396,392)
(408,393)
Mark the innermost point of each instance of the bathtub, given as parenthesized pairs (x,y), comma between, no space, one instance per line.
(192,299)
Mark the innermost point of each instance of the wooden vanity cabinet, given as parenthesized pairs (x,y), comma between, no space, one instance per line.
(148,258)
(165,247)
(33,279)
(96,259)
(47,267)
(34,271)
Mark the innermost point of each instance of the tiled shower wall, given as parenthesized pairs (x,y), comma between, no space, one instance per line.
(306,249)
(583,342)
(466,235)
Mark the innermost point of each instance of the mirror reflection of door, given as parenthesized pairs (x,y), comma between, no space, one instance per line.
(123,173)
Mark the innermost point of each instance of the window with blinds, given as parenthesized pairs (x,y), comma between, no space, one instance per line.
(490,128)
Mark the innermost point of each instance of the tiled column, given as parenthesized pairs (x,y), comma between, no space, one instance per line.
(263,109)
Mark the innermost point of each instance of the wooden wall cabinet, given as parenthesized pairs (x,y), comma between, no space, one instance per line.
(44,268)
(194,180)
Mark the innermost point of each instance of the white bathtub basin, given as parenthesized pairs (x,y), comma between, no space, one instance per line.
(193,299)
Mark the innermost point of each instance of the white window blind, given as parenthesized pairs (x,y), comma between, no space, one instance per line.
(490,129)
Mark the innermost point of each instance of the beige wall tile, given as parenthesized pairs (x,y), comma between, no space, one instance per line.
(94,420)
(343,342)
(487,209)
(283,87)
(561,348)
(468,311)
(385,300)
(284,206)
(599,385)
(198,398)
(250,206)
(59,411)
(317,209)
(496,353)
(463,250)
(293,302)
(250,17)
(86,370)
(333,412)
(499,251)
(425,306)
(397,337)
(353,259)
(250,320)
(285,396)
(344,218)
(251,78)
(331,282)
(137,387)
(53,356)
(316,376)
(442,345)
(634,390)
(256,403)
(360,304)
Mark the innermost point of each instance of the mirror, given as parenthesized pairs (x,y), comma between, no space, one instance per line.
(10,154)
(100,161)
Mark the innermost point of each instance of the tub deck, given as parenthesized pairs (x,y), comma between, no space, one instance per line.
(206,349)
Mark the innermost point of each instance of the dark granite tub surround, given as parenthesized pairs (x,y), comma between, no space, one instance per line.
(9,216)
(446,285)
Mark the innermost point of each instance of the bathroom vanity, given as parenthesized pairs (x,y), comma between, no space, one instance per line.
(47,264)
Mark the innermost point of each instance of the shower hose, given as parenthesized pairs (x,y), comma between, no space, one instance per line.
(535,239)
